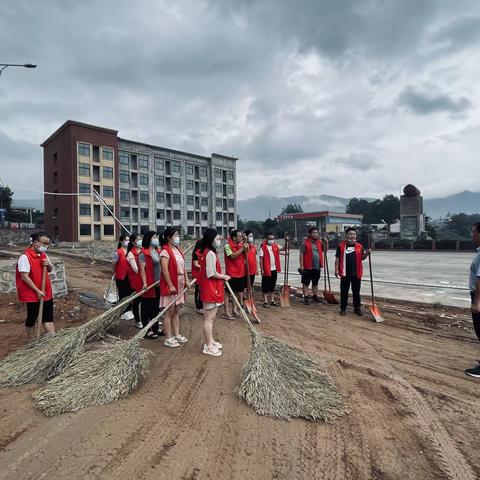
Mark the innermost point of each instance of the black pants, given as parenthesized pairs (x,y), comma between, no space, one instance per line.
(198,302)
(136,308)
(150,307)
(124,289)
(475,318)
(345,283)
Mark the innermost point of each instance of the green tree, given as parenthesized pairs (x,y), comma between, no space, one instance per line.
(292,208)
(387,209)
(459,226)
(6,197)
(429,228)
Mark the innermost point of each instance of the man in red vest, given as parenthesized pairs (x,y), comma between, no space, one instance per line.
(348,267)
(28,278)
(235,268)
(311,263)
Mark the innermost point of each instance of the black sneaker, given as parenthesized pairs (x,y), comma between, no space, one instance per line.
(317,299)
(473,372)
(343,312)
(306,301)
(359,312)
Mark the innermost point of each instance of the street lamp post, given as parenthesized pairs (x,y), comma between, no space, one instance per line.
(3,66)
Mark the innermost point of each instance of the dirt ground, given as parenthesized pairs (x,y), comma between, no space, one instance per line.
(413,414)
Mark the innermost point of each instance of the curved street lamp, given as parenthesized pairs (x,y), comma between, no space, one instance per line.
(3,66)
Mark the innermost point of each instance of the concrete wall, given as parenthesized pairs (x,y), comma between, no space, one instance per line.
(57,277)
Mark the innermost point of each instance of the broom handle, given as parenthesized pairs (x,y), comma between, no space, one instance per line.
(287,259)
(38,322)
(242,311)
(249,286)
(145,329)
(370,268)
(328,271)
(325,269)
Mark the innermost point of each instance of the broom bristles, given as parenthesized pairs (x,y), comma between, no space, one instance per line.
(99,377)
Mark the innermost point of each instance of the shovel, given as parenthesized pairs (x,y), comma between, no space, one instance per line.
(377,314)
(249,303)
(285,292)
(328,294)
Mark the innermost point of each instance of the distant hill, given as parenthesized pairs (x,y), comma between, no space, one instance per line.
(464,202)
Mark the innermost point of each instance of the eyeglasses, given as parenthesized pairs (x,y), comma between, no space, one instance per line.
(45,244)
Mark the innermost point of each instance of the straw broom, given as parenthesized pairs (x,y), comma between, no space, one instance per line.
(283,382)
(100,376)
(49,355)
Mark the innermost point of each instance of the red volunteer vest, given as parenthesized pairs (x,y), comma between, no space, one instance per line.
(172,270)
(308,255)
(149,274)
(135,279)
(211,289)
(235,267)
(25,293)
(121,267)
(252,259)
(358,258)
(267,267)
(195,270)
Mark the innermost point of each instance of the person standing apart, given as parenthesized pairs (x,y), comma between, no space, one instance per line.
(270,267)
(149,262)
(311,263)
(133,251)
(28,278)
(174,280)
(120,268)
(349,268)
(212,288)
(195,274)
(474,286)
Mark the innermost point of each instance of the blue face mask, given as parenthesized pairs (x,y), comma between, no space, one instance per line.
(154,242)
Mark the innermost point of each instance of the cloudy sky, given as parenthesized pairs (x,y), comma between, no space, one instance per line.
(341,97)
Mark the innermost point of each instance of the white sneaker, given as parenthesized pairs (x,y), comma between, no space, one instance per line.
(171,342)
(215,344)
(127,316)
(181,339)
(213,351)
(138,324)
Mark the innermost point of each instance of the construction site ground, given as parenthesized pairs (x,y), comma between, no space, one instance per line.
(412,412)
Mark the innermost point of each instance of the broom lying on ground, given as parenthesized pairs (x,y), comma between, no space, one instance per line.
(100,376)
(49,355)
(284,382)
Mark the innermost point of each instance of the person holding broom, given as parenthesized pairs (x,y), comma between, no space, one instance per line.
(120,268)
(311,263)
(211,281)
(269,266)
(133,251)
(348,267)
(149,262)
(173,280)
(29,276)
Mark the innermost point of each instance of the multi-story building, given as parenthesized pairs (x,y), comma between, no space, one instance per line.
(146,186)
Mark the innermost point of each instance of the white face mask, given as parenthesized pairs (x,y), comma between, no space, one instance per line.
(154,242)
(125,243)
(250,238)
(271,242)
(176,240)
(43,248)
(138,243)
(217,243)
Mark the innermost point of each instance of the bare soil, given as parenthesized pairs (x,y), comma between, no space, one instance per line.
(413,414)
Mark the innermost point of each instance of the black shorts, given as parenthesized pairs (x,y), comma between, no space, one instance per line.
(237,284)
(269,283)
(310,276)
(32,312)
(252,279)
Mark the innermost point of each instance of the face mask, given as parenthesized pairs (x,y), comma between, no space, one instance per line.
(217,243)
(176,240)
(138,243)
(271,242)
(250,239)
(43,248)
(125,243)
(154,242)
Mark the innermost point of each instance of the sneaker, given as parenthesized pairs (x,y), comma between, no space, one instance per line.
(213,351)
(306,301)
(215,344)
(127,316)
(343,312)
(181,339)
(359,312)
(171,342)
(138,324)
(317,299)
(473,372)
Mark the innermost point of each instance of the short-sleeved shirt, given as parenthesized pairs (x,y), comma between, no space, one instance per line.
(24,264)
(273,265)
(156,263)
(474,271)
(315,255)
(211,264)
(350,260)
(178,257)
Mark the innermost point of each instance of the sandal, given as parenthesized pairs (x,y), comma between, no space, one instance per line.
(275,304)
(266,305)
(227,317)
(151,336)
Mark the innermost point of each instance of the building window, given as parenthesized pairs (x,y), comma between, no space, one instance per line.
(159,181)
(219,216)
(190,215)
(231,217)
(229,175)
(84,169)
(124,195)
(203,171)
(160,197)
(176,183)
(85,209)
(144,213)
(176,198)
(230,190)
(107,153)
(176,167)
(107,172)
(143,179)
(85,229)
(143,161)
(125,212)
(204,216)
(219,188)
(84,188)
(203,187)
(219,203)
(191,231)
(143,196)
(231,203)
(124,176)
(159,165)
(204,202)
(160,214)
(84,149)
(123,158)
(189,169)
(190,185)
(108,230)
(218,174)
(176,214)
(190,199)
(108,192)
(106,213)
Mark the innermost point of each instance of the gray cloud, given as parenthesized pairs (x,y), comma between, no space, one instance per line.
(358,161)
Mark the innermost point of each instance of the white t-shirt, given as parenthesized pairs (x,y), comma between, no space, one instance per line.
(211,264)
(24,264)
(273,265)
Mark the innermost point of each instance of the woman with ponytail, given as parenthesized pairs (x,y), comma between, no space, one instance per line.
(120,268)
(133,251)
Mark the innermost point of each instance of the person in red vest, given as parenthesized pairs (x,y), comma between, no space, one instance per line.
(133,251)
(253,269)
(270,267)
(173,280)
(195,268)
(311,263)
(212,287)
(235,267)
(28,279)
(149,262)
(349,268)
(120,268)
